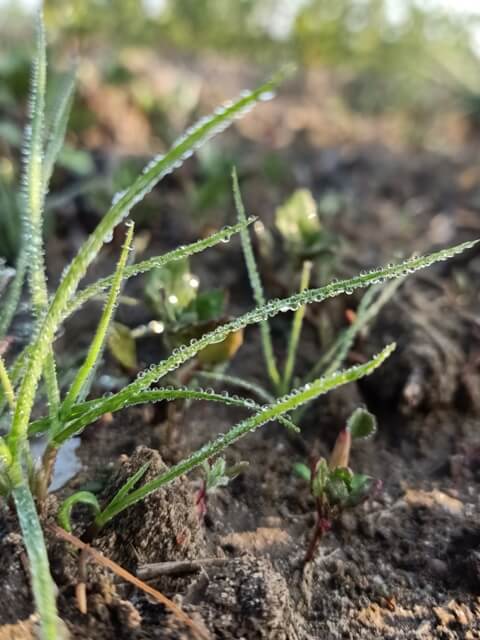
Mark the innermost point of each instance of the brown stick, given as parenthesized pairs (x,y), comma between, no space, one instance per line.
(175,568)
(81,586)
(128,577)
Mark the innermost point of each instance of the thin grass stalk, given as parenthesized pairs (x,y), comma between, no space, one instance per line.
(296,330)
(256,284)
(158,395)
(144,266)
(34,200)
(96,346)
(235,381)
(14,292)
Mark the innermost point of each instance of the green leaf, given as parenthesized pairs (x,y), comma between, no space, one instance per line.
(299,224)
(65,511)
(360,488)
(302,470)
(362,424)
(215,474)
(320,478)
(87,412)
(171,289)
(122,346)
(219,475)
(207,306)
(337,492)
(5,455)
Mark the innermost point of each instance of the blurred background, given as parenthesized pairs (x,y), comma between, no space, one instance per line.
(372,75)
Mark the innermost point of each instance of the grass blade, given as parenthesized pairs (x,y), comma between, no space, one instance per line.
(256,284)
(57,128)
(99,286)
(89,366)
(34,184)
(129,484)
(65,510)
(235,381)
(14,292)
(186,352)
(267,414)
(6,385)
(369,307)
(110,405)
(296,329)
(43,586)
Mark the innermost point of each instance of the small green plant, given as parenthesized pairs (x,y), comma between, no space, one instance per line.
(333,485)
(187,313)
(215,475)
(30,378)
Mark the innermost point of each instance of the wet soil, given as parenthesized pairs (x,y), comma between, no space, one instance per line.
(406,564)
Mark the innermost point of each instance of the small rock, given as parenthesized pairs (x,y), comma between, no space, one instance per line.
(438,567)
(435,498)
(348,522)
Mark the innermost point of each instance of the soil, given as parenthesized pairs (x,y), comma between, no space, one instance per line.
(405,564)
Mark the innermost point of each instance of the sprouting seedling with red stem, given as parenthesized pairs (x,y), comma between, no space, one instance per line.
(334,486)
(215,476)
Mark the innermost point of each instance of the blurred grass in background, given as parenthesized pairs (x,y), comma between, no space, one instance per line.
(395,51)
(385,70)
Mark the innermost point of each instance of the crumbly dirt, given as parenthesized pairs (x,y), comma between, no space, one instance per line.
(406,564)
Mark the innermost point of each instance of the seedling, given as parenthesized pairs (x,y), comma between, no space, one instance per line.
(187,313)
(215,476)
(24,484)
(299,224)
(333,485)
(183,313)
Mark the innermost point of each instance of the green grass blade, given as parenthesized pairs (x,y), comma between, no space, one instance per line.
(65,510)
(266,414)
(256,284)
(12,298)
(34,201)
(6,385)
(43,586)
(235,381)
(186,251)
(111,405)
(121,207)
(369,307)
(129,484)
(57,128)
(96,347)
(376,276)
(296,330)
(34,184)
